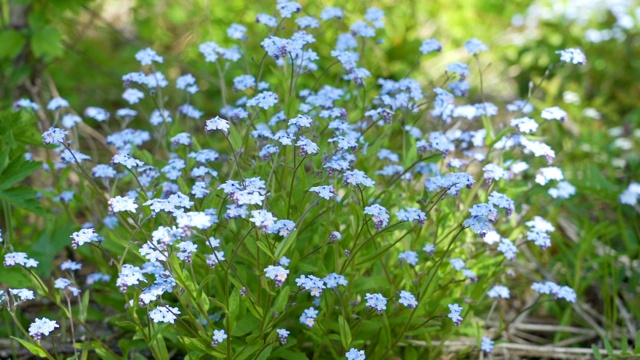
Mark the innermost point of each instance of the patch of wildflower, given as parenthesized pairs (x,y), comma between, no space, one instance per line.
(179,191)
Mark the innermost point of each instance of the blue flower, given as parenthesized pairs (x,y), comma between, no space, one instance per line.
(309,316)
(379,215)
(357,177)
(361,28)
(430,45)
(244,82)
(54,136)
(454,314)
(282,335)
(407,299)
(507,247)
(331,12)
(267,20)
(487,345)
(264,100)
(475,46)
(355,354)
(459,68)
(147,56)
(237,31)
(307,21)
(554,113)
(376,301)
(499,291)
(410,257)
(287,8)
(132,95)
(325,192)
(218,337)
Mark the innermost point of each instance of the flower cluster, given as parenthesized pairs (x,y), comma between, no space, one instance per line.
(309,316)
(557,291)
(454,314)
(277,273)
(377,302)
(41,327)
(379,215)
(19,258)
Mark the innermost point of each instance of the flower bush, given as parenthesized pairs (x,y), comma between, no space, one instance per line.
(324,210)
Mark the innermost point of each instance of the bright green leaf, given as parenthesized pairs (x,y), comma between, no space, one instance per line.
(35,350)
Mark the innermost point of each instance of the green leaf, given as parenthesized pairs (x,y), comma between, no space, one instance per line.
(290,355)
(56,236)
(14,277)
(35,350)
(161,348)
(265,353)
(23,197)
(47,43)
(85,305)
(345,332)
(486,123)
(596,352)
(607,345)
(281,300)
(17,170)
(250,349)
(245,326)
(4,158)
(624,344)
(234,304)
(265,248)
(12,43)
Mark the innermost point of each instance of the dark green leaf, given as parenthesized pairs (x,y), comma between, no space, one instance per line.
(22,197)
(47,43)
(17,170)
(12,43)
